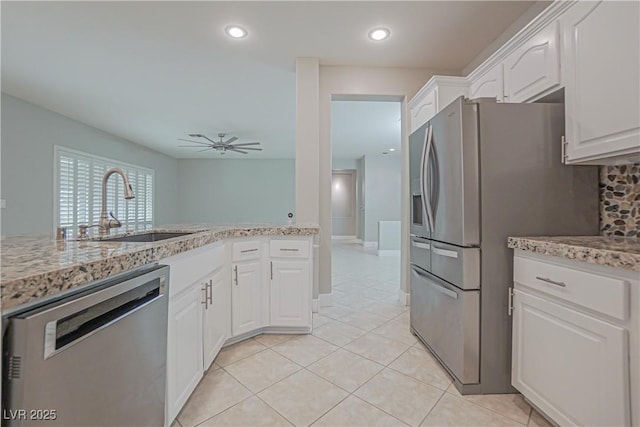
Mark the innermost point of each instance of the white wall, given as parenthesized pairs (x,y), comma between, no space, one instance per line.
(357,83)
(29,133)
(382,192)
(224,191)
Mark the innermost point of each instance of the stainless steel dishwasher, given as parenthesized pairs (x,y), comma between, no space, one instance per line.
(94,358)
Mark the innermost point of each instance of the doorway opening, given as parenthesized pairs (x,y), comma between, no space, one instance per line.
(366,205)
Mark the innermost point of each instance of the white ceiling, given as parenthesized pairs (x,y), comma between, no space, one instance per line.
(152,72)
(360,128)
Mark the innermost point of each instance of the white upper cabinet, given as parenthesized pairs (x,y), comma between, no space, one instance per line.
(601,69)
(439,92)
(533,69)
(488,85)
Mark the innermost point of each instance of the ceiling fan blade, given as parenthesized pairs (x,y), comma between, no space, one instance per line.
(245,144)
(193,146)
(230,140)
(237,151)
(209,139)
(206,149)
(196,142)
(246,148)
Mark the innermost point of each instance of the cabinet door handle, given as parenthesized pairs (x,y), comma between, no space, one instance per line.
(271,263)
(553,282)
(235,269)
(206,298)
(210,286)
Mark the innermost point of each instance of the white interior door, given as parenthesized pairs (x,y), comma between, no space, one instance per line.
(343,202)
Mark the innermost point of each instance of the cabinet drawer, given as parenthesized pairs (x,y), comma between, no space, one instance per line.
(289,248)
(246,250)
(603,294)
(188,267)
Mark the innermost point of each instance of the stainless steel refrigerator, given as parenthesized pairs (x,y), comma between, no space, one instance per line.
(482,171)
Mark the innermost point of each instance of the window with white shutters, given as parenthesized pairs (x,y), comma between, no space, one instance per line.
(78,184)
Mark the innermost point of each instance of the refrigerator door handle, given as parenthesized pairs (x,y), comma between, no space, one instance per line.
(420,245)
(435,286)
(424,174)
(445,252)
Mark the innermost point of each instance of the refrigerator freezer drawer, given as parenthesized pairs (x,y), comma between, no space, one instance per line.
(420,252)
(448,320)
(460,266)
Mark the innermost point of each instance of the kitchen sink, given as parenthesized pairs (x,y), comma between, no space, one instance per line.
(152,236)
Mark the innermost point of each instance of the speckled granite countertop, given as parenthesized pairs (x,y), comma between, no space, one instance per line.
(35,266)
(617,252)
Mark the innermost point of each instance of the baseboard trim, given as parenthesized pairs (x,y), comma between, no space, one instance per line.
(405,298)
(314,305)
(268,330)
(369,244)
(389,252)
(343,238)
(325,300)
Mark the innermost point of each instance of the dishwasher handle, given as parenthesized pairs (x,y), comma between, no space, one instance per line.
(76,317)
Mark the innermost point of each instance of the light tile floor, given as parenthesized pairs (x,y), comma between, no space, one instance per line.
(360,367)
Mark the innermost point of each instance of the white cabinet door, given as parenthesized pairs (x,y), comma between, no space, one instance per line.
(601,65)
(184,344)
(216,315)
(290,293)
(489,85)
(572,366)
(423,109)
(246,297)
(533,69)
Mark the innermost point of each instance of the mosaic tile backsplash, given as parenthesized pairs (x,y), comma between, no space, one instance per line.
(620,200)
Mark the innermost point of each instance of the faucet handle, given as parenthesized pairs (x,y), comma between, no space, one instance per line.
(115,222)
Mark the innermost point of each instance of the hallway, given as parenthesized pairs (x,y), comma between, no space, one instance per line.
(360,367)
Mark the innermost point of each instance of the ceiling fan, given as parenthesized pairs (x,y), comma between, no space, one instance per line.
(221,145)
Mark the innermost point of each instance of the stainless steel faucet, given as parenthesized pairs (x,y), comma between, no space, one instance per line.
(105,222)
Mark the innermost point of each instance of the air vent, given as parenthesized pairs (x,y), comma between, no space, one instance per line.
(15,367)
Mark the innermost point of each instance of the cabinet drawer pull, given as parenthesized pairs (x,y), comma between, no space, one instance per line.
(553,282)
(289,250)
(445,252)
(248,250)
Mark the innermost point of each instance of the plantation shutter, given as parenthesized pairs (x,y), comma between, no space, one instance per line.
(79,192)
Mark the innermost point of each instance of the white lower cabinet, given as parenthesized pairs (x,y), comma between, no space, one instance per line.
(576,340)
(184,348)
(572,366)
(290,298)
(222,294)
(246,297)
(216,314)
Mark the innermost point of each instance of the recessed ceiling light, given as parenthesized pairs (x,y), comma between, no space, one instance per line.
(235,31)
(392,149)
(379,34)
